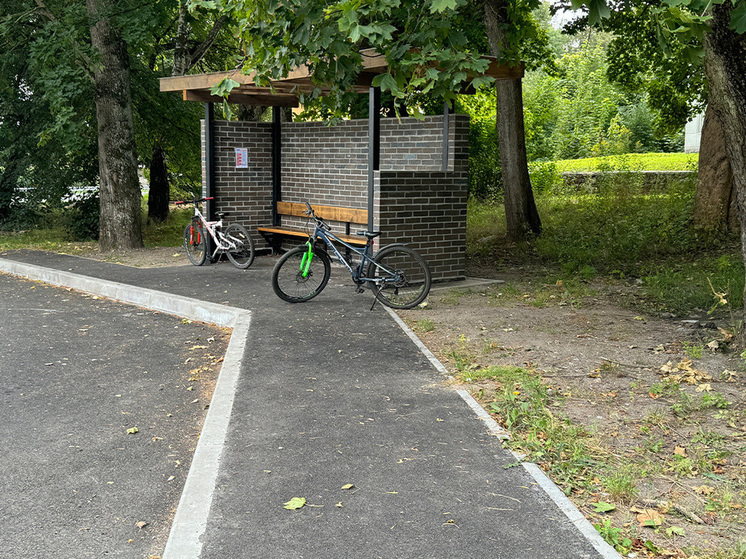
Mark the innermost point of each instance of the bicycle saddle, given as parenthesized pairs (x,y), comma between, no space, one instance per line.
(369,234)
(221,215)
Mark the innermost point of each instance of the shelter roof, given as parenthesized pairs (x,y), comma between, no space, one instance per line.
(284,92)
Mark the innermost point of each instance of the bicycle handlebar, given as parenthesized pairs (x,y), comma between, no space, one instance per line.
(320,222)
(194,201)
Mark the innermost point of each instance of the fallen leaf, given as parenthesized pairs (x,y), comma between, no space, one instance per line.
(295,503)
(675,531)
(348,486)
(604,507)
(650,518)
(704,489)
(141,524)
(132,430)
(684,372)
(680,450)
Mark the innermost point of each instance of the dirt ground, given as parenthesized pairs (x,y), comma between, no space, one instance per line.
(662,395)
(608,365)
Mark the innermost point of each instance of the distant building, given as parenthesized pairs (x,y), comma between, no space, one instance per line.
(692,133)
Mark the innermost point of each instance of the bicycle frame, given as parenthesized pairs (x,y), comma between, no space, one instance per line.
(366,256)
(222,242)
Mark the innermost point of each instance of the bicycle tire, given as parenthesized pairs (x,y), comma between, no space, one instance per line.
(292,286)
(195,244)
(243,256)
(403,277)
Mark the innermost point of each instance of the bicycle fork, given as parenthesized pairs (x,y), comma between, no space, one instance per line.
(305,263)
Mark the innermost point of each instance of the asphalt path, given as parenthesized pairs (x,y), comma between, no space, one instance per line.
(78,372)
(336,404)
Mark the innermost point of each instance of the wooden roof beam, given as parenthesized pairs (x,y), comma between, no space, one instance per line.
(264,100)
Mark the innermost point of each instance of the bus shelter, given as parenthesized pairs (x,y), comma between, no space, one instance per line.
(404,177)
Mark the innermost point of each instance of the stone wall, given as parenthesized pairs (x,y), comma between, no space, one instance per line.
(650,181)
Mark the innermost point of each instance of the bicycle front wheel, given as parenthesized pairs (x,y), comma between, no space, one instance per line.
(402,277)
(243,255)
(298,285)
(195,244)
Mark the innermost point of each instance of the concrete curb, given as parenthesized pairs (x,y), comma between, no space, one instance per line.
(190,520)
(184,307)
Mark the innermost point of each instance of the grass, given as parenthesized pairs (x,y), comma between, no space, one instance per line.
(581,462)
(521,400)
(54,236)
(167,234)
(633,161)
(620,234)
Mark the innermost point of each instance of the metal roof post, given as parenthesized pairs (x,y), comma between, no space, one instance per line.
(374,148)
(210,159)
(447,111)
(276,163)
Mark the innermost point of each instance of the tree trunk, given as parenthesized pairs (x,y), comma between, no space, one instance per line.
(520,208)
(158,197)
(715,200)
(182,58)
(121,226)
(521,215)
(725,68)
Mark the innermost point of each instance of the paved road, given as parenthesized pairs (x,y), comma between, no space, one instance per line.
(78,372)
(330,395)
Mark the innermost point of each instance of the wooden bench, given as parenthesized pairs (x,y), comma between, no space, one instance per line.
(348,216)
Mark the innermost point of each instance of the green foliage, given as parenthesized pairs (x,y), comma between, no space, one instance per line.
(168,233)
(427,45)
(613,536)
(485,174)
(48,140)
(609,231)
(621,232)
(432,48)
(683,286)
(82,219)
(637,161)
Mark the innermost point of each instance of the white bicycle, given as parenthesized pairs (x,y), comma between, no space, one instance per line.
(235,242)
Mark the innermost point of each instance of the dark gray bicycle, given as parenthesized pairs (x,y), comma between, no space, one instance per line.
(397,275)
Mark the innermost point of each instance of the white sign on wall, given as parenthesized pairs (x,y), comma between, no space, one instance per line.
(242,158)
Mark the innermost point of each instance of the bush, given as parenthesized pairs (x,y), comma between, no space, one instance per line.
(81,218)
(545,177)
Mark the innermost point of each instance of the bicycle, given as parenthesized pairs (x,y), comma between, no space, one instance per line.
(398,276)
(235,242)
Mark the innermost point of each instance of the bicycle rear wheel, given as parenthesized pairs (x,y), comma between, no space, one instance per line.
(243,255)
(195,243)
(289,281)
(402,277)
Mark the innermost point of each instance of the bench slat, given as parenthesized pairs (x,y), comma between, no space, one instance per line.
(330,213)
(287,231)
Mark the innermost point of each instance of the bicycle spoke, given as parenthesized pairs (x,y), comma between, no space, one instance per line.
(402,277)
(296,278)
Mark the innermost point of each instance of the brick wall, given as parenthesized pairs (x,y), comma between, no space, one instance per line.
(245,193)
(427,209)
(416,201)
